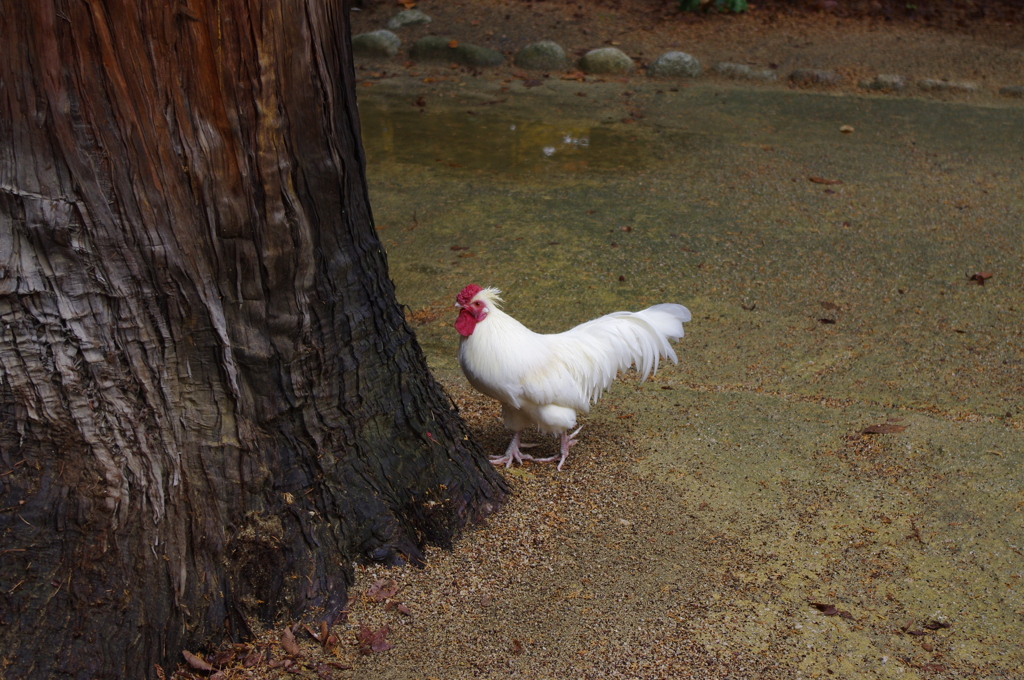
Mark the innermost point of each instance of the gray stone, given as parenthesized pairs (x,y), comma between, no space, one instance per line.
(434,48)
(933,85)
(731,70)
(478,55)
(609,60)
(814,76)
(380,44)
(408,17)
(674,65)
(885,81)
(541,56)
(1012,91)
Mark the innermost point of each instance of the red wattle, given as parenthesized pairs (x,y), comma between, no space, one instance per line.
(465,323)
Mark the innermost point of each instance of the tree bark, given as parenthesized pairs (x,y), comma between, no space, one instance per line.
(210,403)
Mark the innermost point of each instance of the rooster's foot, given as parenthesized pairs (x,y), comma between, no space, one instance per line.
(568,441)
(512,453)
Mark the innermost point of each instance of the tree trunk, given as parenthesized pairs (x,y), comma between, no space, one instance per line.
(210,403)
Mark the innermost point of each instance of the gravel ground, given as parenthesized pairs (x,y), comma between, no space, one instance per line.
(598,571)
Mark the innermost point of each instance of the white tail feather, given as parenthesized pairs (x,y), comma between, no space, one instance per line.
(596,352)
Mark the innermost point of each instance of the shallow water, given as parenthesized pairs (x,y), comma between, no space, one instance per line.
(828,275)
(494,143)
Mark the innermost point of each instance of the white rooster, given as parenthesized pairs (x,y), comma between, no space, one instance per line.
(544,380)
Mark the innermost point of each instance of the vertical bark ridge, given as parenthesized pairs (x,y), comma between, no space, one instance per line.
(206,386)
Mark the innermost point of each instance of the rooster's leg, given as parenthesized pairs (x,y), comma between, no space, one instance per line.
(512,454)
(568,440)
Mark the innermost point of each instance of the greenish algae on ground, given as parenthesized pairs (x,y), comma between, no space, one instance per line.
(828,275)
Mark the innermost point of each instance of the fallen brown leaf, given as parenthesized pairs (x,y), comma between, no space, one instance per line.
(252,658)
(385,588)
(288,643)
(936,625)
(223,658)
(980,278)
(196,662)
(371,641)
(331,642)
(453,43)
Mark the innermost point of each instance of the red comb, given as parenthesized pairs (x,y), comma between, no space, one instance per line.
(463,298)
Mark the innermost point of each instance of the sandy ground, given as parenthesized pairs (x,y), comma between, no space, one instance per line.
(736,516)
